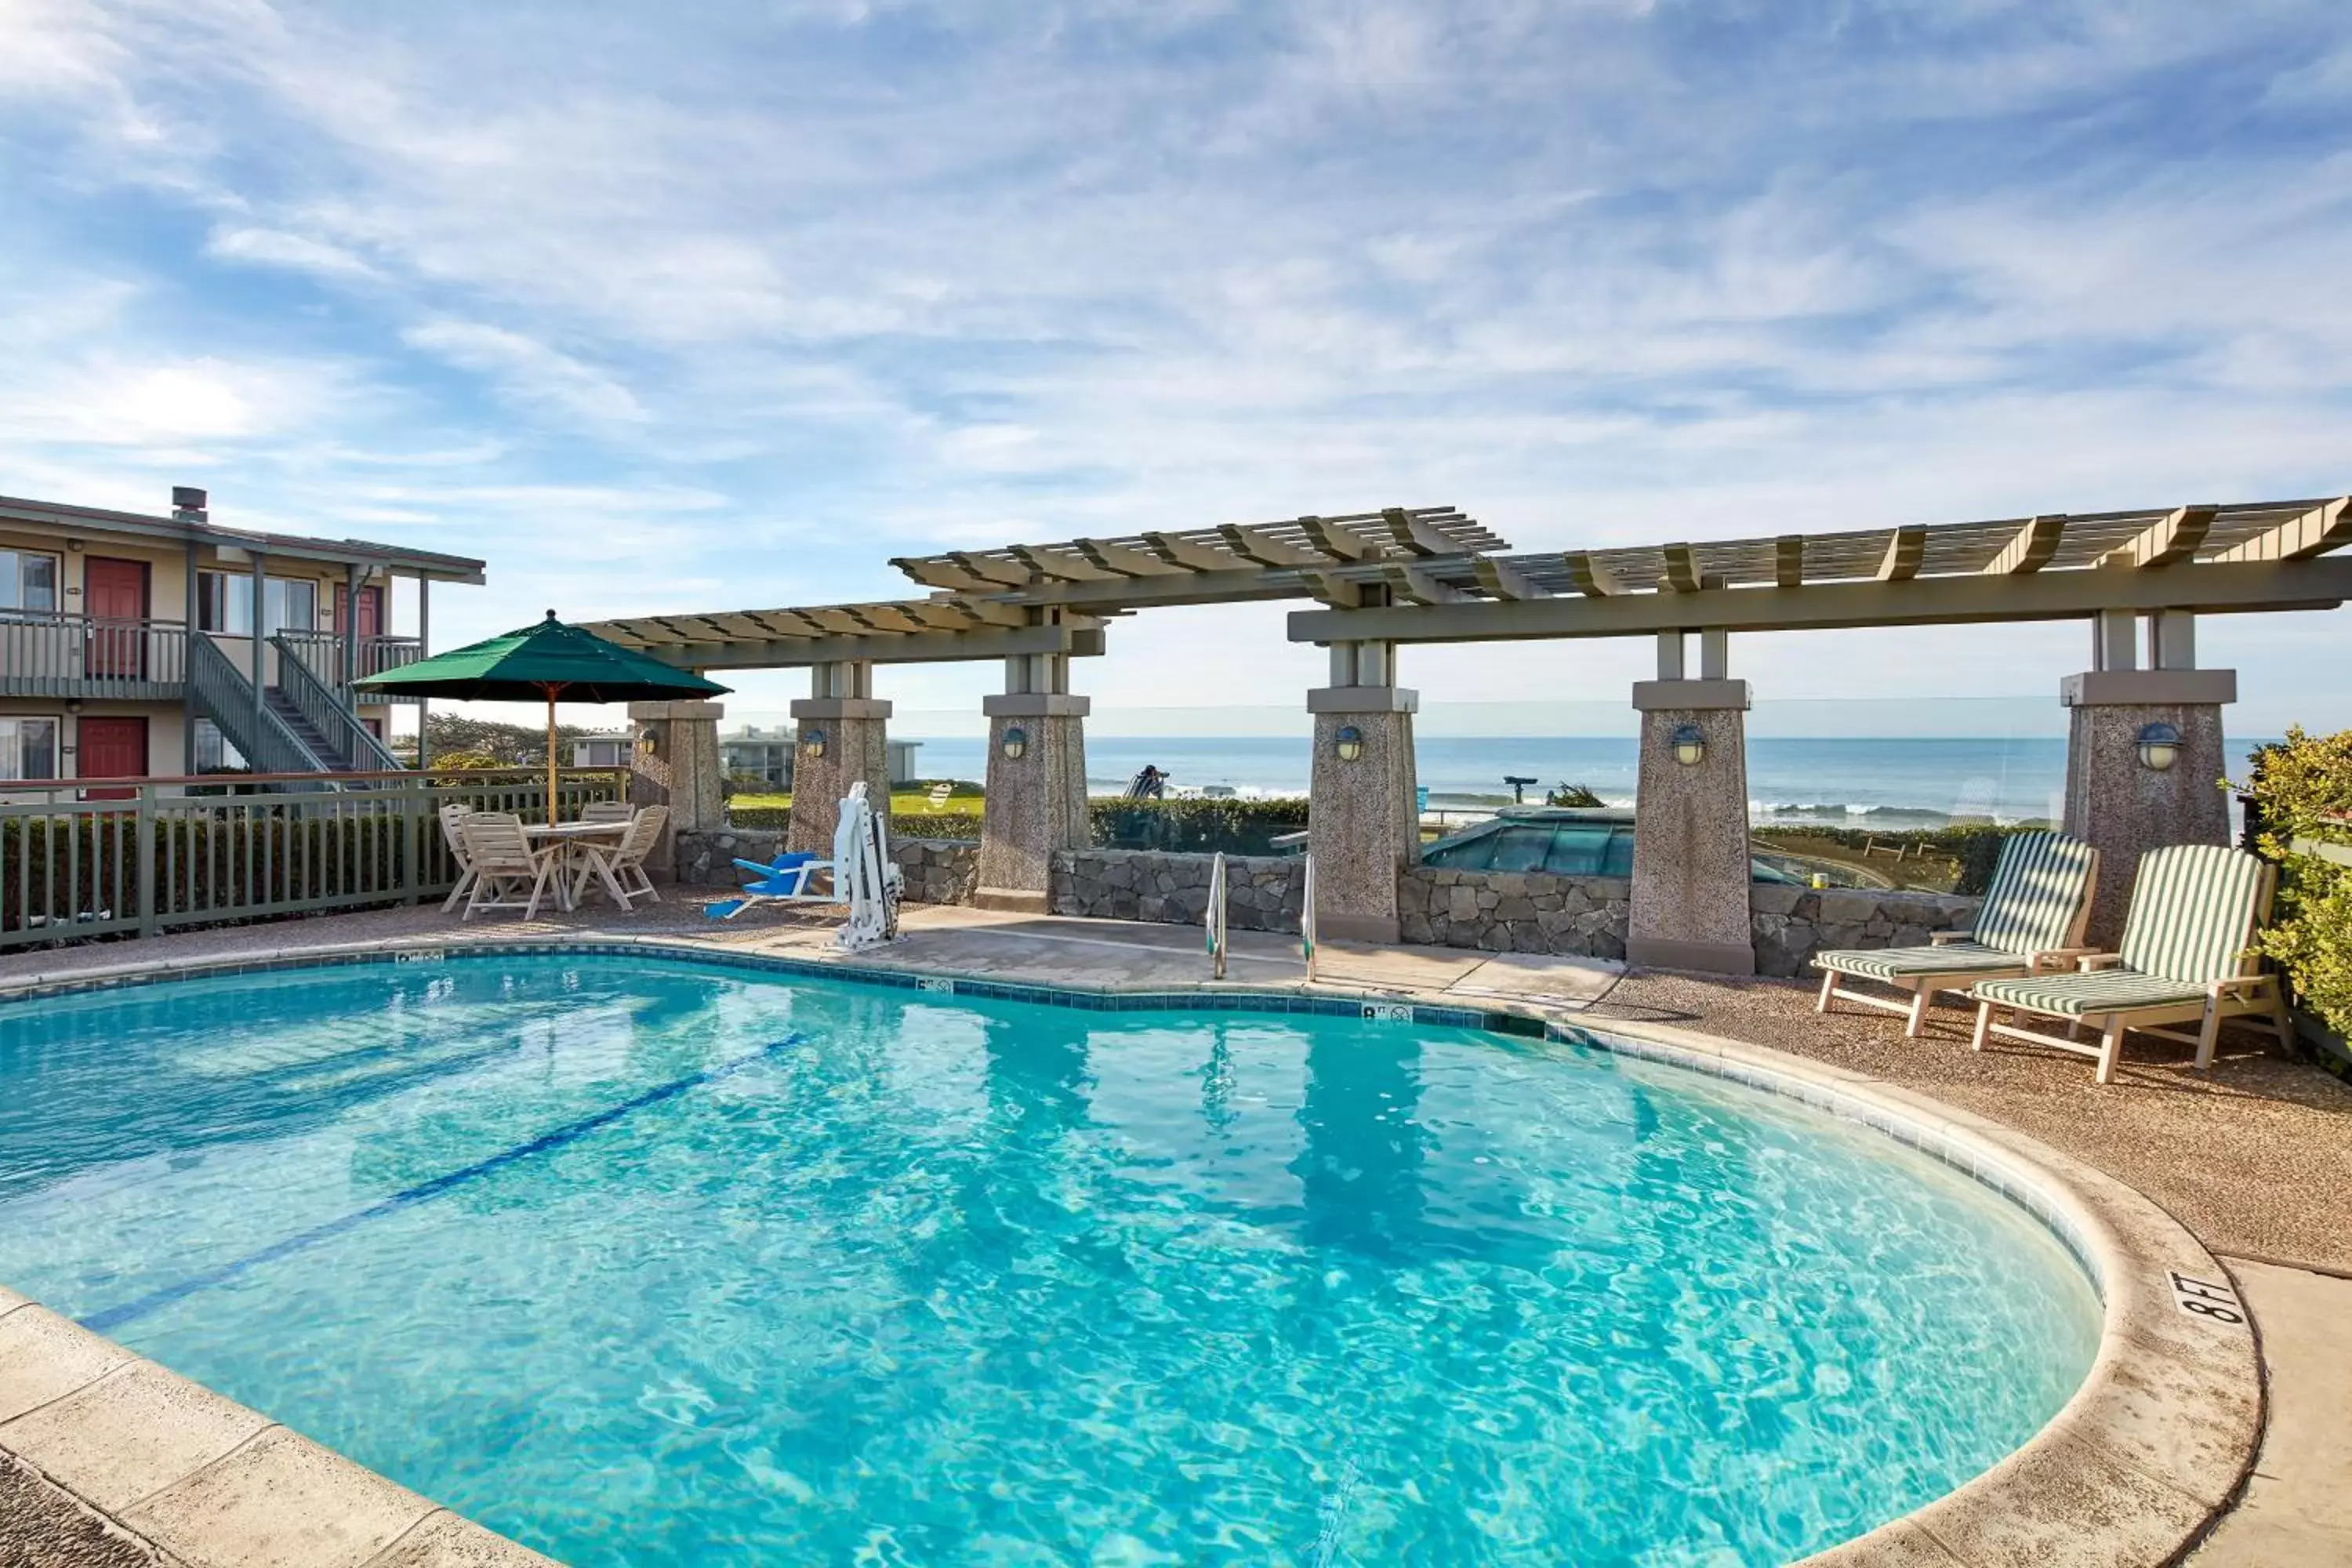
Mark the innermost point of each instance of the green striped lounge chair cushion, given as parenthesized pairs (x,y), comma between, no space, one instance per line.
(2192,912)
(1899,963)
(2037,890)
(2078,995)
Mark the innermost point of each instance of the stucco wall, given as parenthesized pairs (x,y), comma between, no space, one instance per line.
(1263,892)
(1516,912)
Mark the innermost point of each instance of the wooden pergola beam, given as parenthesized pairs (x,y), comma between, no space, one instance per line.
(1334,540)
(2314,532)
(2034,547)
(2176,538)
(1060,568)
(932,573)
(1415,587)
(1588,576)
(1330,588)
(1681,574)
(1502,581)
(1904,550)
(1789,561)
(1414,536)
(995,573)
(1123,560)
(1191,556)
(1264,550)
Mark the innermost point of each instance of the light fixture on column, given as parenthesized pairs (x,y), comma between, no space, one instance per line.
(1349,743)
(2160,747)
(1690,745)
(648,741)
(1015,744)
(812,742)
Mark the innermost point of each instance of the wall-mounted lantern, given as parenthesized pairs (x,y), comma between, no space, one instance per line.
(1690,745)
(1349,743)
(1015,744)
(648,741)
(812,742)
(2160,747)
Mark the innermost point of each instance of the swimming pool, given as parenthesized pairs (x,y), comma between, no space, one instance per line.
(648,1261)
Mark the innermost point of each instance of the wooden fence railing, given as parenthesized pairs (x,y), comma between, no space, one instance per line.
(149,856)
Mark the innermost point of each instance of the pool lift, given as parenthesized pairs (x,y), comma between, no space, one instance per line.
(864,877)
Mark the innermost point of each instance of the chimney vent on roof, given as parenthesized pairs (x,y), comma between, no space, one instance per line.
(188,504)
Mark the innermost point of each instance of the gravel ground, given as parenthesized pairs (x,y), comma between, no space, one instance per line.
(2254,1157)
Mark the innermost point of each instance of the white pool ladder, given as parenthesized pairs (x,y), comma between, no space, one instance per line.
(1306,920)
(1215,917)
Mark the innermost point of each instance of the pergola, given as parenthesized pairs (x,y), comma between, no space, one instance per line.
(1378,579)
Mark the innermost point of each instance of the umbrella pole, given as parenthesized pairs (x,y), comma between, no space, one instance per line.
(551,756)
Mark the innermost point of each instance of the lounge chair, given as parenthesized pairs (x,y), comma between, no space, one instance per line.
(2185,956)
(508,874)
(2032,920)
(621,866)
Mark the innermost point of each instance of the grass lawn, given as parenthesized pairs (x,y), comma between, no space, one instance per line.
(907,800)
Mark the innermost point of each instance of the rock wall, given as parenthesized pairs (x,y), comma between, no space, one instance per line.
(1263,892)
(1792,925)
(1514,911)
(938,870)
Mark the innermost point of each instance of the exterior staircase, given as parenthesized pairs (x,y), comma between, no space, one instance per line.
(301,725)
(330,757)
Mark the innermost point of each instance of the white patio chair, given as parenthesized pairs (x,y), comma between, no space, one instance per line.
(508,874)
(452,814)
(621,868)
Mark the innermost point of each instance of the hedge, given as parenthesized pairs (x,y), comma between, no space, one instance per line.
(1236,826)
(1975,844)
(2302,790)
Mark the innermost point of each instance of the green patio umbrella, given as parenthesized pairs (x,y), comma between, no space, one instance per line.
(547,660)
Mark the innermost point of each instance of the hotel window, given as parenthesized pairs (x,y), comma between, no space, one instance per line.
(27,580)
(28,748)
(224,604)
(214,752)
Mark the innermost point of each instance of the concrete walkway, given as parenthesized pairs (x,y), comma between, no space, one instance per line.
(2297,1508)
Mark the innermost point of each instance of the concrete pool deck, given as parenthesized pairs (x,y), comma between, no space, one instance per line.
(2253,1160)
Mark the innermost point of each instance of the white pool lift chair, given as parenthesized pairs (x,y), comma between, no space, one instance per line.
(863,877)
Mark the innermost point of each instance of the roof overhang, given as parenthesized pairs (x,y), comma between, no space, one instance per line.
(427,564)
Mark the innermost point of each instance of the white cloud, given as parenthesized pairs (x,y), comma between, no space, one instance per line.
(528,371)
(275,247)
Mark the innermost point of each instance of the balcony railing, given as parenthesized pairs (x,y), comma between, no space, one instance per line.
(322,654)
(46,653)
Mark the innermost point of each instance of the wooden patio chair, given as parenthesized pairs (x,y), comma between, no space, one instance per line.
(621,868)
(2185,956)
(2032,921)
(508,874)
(606,811)
(452,814)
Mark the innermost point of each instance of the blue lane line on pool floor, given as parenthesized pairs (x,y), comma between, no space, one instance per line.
(571,1131)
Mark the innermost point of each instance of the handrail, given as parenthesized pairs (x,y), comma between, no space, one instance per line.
(319,703)
(322,654)
(59,654)
(1214,916)
(1307,918)
(227,698)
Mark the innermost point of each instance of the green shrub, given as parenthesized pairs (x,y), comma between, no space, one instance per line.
(1972,848)
(1198,826)
(2302,790)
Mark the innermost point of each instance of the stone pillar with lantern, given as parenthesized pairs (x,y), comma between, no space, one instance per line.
(1363,811)
(1690,861)
(675,763)
(1036,800)
(2145,754)
(843,738)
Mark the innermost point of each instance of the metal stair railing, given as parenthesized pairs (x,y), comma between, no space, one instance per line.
(226,697)
(329,714)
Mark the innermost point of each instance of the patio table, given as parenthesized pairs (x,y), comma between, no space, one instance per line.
(566,838)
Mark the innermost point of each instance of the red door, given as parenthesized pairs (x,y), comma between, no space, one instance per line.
(371,621)
(114,597)
(111,748)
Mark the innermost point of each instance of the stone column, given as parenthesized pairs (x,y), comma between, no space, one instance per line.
(679,769)
(1690,823)
(1037,800)
(2115,801)
(1363,814)
(844,736)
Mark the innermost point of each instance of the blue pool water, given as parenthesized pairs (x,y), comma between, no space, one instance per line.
(647,1262)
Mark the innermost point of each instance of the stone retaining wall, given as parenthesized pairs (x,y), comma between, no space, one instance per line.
(1792,925)
(1263,892)
(938,870)
(1514,911)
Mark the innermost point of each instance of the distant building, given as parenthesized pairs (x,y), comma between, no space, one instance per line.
(766,755)
(605,749)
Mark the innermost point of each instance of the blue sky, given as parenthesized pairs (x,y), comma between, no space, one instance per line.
(698,306)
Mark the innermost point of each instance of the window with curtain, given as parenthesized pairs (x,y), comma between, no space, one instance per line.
(28,748)
(28,580)
(224,604)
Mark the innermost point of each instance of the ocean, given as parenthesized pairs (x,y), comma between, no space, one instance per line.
(1877,783)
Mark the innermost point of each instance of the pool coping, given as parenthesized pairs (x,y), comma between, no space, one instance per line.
(2152,1448)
